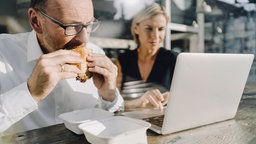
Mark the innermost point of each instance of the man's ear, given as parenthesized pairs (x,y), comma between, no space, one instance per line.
(35,20)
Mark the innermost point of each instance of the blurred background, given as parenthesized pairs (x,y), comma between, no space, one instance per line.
(211,26)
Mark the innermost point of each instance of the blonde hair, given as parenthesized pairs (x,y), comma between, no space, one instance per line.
(147,13)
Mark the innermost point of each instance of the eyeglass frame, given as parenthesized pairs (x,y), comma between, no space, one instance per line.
(64,26)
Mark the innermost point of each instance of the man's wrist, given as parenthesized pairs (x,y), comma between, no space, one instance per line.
(109,95)
(117,104)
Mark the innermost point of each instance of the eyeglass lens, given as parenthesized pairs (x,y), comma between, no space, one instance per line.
(72,30)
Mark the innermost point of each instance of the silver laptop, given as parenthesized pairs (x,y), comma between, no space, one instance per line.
(206,88)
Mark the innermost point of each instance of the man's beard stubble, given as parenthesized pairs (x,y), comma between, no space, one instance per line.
(52,44)
(49,43)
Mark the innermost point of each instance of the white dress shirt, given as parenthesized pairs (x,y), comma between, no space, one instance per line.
(18,110)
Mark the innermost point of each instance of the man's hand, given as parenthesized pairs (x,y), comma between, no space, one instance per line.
(50,69)
(104,75)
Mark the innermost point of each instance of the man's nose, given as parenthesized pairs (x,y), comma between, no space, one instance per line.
(83,36)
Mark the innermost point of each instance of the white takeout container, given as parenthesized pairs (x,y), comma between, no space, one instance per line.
(116,130)
(73,119)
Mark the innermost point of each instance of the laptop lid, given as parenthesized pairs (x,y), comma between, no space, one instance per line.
(206,88)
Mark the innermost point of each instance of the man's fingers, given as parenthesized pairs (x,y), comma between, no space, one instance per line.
(102,65)
(61,52)
(60,57)
(68,68)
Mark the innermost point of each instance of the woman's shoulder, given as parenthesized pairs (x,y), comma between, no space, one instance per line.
(127,53)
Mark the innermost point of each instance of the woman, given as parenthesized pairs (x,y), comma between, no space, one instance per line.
(148,62)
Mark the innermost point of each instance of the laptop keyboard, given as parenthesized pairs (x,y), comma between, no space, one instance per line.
(156,120)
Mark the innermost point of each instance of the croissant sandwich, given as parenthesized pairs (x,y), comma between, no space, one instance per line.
(84,52)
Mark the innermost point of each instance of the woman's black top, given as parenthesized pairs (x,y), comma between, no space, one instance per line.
(162,70)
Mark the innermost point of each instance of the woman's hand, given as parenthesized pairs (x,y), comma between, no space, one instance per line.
(152,98)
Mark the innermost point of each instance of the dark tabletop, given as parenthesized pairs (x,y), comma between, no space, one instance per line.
(240,130)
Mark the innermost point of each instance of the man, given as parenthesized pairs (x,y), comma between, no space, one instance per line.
(37,74)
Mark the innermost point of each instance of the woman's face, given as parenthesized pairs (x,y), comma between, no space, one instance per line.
(151,32)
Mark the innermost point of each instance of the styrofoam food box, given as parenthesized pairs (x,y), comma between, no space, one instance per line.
(116,130)
(73,119)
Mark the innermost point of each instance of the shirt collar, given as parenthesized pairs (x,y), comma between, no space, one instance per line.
(34,50)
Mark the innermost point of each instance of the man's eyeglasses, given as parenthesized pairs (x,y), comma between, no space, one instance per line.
(74,29)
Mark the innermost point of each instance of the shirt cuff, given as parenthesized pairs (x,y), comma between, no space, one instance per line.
(116,105)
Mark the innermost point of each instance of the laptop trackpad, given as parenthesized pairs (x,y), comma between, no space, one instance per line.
(144,113)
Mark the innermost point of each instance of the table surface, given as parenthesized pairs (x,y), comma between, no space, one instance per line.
(240,130)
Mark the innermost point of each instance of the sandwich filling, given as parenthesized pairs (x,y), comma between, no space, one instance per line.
(84,52)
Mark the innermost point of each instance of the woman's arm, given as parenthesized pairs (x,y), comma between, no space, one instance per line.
(119,75)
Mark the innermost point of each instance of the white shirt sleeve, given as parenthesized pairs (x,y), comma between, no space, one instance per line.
(21,51)
(14,105)
(116,105)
